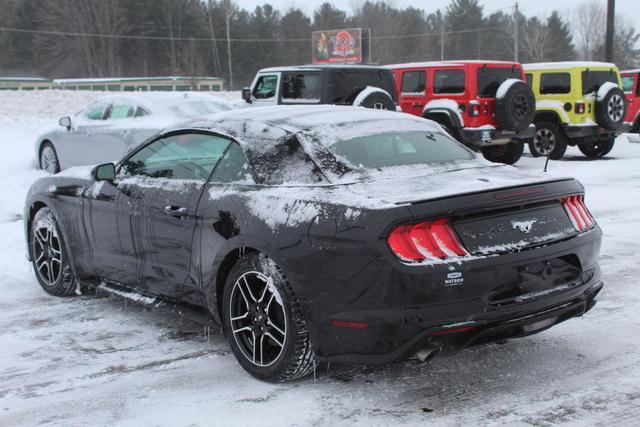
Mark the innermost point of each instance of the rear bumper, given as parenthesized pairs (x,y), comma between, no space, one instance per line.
(589,134)
(405,309)
(477,138)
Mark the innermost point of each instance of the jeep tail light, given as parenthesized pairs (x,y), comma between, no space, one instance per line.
(429,240)
(579,107)
(578,213)
(474,108)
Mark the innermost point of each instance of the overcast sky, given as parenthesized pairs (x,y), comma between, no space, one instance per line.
(629,8)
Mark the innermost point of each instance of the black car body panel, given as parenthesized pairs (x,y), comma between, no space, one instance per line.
(329,239)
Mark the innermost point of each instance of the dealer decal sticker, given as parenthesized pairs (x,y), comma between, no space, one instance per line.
(454,279)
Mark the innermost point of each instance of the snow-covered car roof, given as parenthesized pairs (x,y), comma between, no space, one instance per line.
(170,102)
(319,67)
(567,64)
(635,70)
(451,63)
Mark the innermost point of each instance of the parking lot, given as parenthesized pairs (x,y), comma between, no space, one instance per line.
(95,360)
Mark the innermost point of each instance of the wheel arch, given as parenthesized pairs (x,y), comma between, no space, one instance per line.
(443,117)
(547,115)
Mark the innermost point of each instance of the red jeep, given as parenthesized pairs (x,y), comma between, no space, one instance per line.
(631,88)
(487,105)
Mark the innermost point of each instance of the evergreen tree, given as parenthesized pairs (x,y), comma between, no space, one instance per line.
(466,22)
(329,17)
(560,45)
(295,25)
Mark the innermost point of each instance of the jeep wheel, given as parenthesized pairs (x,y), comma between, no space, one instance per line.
(597,150)
(505,153)
(372,97)
(611,109)
(549,141)
(515,106)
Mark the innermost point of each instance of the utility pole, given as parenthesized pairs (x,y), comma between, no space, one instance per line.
(608,43)
(515,33)
(442,39)
(228,16)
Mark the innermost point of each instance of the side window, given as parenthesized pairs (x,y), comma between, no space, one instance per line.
(414,82)
(185,156)
(121,111)
(96,111)
(141,112)
(265,87)
(301,87)
(555,83)
(233,167)
(627,83)
(529,78)
(449,81)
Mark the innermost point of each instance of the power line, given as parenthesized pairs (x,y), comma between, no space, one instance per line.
(232,40)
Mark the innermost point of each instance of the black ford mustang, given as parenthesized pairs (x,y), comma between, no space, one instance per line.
(323,233)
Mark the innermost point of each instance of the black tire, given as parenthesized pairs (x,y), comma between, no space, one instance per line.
(611,109)
(516,108)
(549,140)
(597,150)
(294,358)
(508,154)
(48,159)
(49,256)
(377,99)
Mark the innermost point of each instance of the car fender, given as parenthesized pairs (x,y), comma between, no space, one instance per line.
(447,107)
(554,107)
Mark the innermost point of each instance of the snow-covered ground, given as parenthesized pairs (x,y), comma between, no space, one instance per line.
(98,361)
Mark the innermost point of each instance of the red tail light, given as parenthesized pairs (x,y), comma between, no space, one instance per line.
(474,108)
(579,107)
(429,240)
(578,213)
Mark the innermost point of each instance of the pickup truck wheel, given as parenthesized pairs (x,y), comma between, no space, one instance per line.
(611,109)
(549,141)
(49,256)
(597,150)
(505,153)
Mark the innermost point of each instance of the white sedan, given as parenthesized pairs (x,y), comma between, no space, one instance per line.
(112,125)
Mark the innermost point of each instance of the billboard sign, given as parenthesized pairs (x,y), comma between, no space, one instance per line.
(337,46)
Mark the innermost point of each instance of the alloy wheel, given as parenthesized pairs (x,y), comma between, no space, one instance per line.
(615,108)
(48,160)
(47,252)
(544,142)
(258,319)
(520,106)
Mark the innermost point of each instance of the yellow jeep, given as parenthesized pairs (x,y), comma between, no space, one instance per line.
(577,103)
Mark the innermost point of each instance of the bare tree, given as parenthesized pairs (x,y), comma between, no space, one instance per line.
(588,23)
(535,38)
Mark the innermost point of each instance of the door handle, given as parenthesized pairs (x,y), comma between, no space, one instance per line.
(176,211)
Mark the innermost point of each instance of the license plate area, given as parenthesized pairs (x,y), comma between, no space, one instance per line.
(515,230)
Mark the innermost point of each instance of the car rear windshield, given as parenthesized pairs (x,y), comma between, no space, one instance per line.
(592,80)
(399,149)
(301,88)
(490,79)
(347,84)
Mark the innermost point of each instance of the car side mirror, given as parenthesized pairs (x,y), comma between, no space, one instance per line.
(65,122)
(104,172)
(246,95)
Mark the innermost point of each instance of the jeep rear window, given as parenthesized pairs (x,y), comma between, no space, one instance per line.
(555,83)
(628,83)
(347,84)
(301,88)
(489,79)
(592,80)
(449,81)
(414,81)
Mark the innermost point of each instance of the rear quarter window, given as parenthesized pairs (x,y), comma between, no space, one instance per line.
(449,81)
(347,84)
(555,83)
(529,78)
(414,82)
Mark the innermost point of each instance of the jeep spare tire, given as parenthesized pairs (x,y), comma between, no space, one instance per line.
(611,106)
(376,98)
(514,106)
